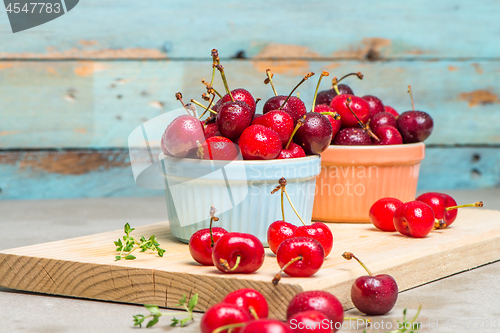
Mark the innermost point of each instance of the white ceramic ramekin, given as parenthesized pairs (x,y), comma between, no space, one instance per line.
(239,190)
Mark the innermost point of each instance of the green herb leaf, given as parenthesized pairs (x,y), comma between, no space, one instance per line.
(175,321)
(118,258)
(155,310)
(192,302)
(153,321)
(130,257)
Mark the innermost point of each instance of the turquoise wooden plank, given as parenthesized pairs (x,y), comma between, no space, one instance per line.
(83,174)
(96,104)
(190,29)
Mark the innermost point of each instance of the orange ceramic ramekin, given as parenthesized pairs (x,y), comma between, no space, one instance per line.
(352,178)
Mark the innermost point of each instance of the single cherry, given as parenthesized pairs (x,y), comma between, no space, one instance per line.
(279,121)
(266,326)
(391,110)
(414,126)
(318,300)
(237,252)
(291,149)
(250,299)
(358,105)
(382,213)
(375,104)
(388,135)
(211,129)
(182,135)
(315,135)
(326,96)
(202,241)
(277,232)
(258,142)
(327,111)
(219,148)
(382,119)
(310,322)
(233,118)
(352,136)
(241,95)
(414,219)
(223,314)
(373,295)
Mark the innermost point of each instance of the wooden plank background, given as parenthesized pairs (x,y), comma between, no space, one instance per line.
(73,89)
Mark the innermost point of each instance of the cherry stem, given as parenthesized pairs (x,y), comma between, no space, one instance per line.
(361,124)
(293,207)
(178,96)
(200,153)
(335,82)
(228,327)
(335,115)
(439,224)
(349,256)
(257,100)
(411,97)
(300,122)
(277,278)
(335,86)
(212,218)
(477,204)
(282,206)
(253,312)
(225,264)
(223,75)
(270,80)
(202,106)
(323,73)
(208,107)
(210,87)
(308,75)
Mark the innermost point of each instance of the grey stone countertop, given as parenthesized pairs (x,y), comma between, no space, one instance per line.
(465,302)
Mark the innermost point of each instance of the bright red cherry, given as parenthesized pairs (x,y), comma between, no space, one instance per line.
(382,213)
(299,257)
(310,322)
(375,104)
(352,136)
(319,231)
(373,295)
(237,252)
(277,232)
(387,135)
(414,219)
(266,326)
(382,119)
(200,244)
(315,135)
(360,107)
(241,95)
(325,97)
(295,107)
(293,151)
(223,314)
(258,142)
(220,148)
(181,136)
(279,121)
(233,118)
(251,299)
(391,110)
(318,300)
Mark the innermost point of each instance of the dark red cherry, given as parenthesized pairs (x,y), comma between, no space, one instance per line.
(220,148)
(352,136)
(415,126)
(279,121)
(326,96)
(336,123)
(294,107)
(241,95)
(211,130)
(358,105)
(388,135)
(258,142)
(233,118)
(375,104)
(382,119)
(315,135)
(181,136)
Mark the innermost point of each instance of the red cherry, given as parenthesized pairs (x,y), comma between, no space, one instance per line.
(326,96)
(237,252)
(352,136)
(200,245)
(279,121)
(223,314)
(358,105)
(315,135)
(181,135)
(320,232)
(450,215)
(294,106)
(336,123)
(382,213)
(266,326)
(310,322)
(415,126)
(277,232)
(211,130)
(258,142)
(220,148)
(300,257)
(388,135)
(233,118)
(391,110)
(250,299)
(293,151)
(373,295)
(382,119)
(320,301)
(414,219)
(375,104)
(241,95)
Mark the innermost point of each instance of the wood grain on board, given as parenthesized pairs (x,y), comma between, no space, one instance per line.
(85,267)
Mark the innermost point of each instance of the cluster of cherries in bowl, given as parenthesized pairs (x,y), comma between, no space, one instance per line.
(286,129)
(431,210)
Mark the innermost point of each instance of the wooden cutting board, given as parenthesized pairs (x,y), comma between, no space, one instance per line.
(85,267)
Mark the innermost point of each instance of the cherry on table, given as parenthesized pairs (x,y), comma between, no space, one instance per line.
(373,294)
(202,241)
(237,252)
(310,322)
(277,232)
(266,326)
(223,314)
(258,142)
(250,299)
(382,213)
(414,219)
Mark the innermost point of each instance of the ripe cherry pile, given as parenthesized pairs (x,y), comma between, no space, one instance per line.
(246,311)
(285,129)
(417,218)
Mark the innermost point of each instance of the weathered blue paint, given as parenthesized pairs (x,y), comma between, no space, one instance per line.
(427,28)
